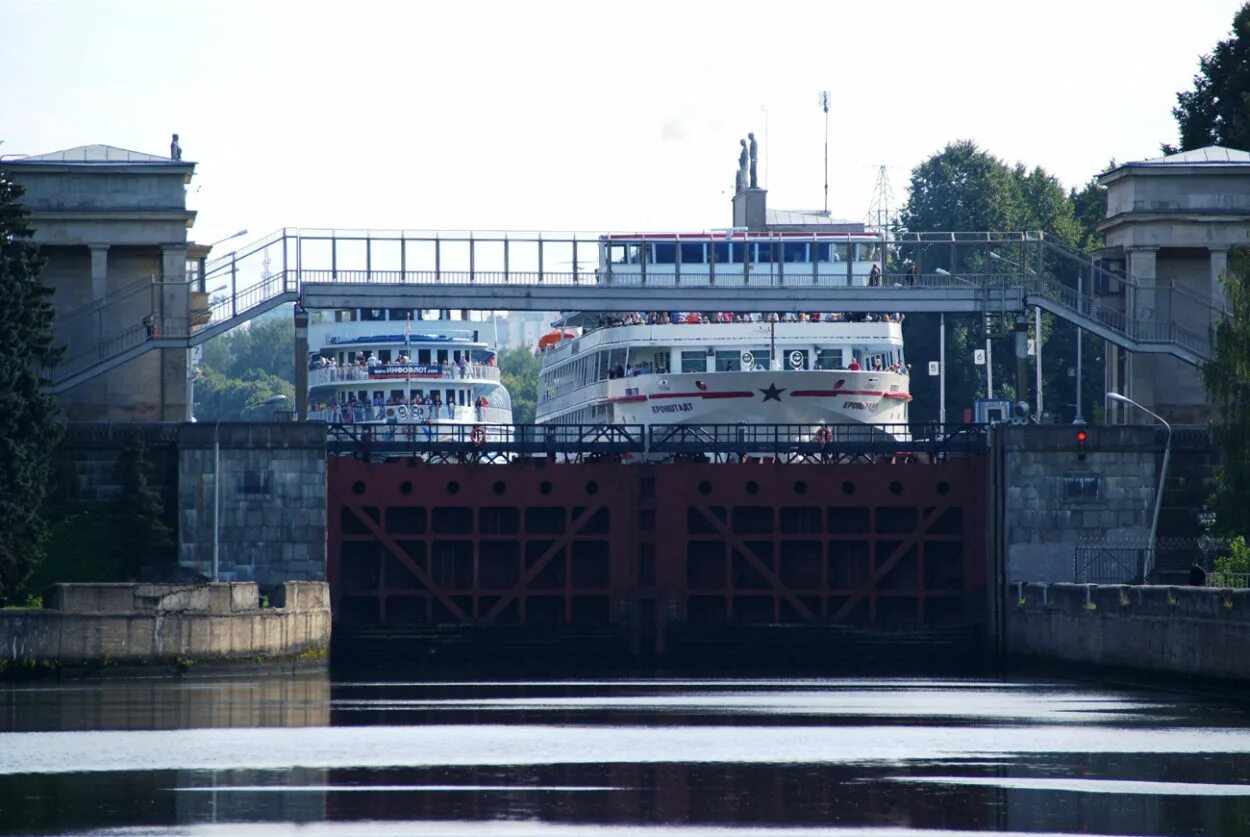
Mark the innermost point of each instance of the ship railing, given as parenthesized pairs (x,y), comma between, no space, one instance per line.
(343,374)
(410,414)
(369,440)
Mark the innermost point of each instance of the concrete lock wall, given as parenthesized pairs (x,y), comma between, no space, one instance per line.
(1055,491)
(271,514)
(142,624)
(1191,631)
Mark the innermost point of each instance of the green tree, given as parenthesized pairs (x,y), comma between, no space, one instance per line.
(142,538)
(518,370)
(1227,379)
(1217,110)
(243,368)
(30,422)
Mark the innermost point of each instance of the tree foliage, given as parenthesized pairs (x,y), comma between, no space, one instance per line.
(1217,110)
(1227,380)
(243,368)
(143,538)
(964,188)
(518,370)
(30,421)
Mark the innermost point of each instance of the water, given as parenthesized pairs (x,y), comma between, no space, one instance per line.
(304,755)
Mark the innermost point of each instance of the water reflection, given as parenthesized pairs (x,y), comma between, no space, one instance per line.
(643,756)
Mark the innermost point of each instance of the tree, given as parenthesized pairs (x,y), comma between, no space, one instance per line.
(1227,379)
(143,537)
(245,367)
(30,421)
(1217,110)
(518,369)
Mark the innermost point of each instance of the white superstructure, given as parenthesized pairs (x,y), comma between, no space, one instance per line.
(403,367)
(728,367)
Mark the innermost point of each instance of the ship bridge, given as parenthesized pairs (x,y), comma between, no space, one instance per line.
(951,272)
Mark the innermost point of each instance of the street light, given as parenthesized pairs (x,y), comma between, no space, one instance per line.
(1163,472)
(227,238)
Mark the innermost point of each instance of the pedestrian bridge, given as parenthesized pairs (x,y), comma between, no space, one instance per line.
(951,272)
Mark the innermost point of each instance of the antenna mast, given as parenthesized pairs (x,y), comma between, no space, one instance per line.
(878,217)
(824,105)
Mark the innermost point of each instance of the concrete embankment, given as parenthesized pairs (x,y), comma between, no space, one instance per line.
(158,626)
(1186,631)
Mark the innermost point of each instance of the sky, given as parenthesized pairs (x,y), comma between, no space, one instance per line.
(585,116)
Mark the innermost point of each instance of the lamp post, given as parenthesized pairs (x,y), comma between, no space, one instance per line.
(1163,472)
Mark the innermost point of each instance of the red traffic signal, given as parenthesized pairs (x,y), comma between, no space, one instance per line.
(1080,436)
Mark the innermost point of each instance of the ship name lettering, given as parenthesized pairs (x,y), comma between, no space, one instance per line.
(679,407)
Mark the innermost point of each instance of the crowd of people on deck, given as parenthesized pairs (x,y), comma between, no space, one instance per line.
(427,407)
(367,362)
(635,318)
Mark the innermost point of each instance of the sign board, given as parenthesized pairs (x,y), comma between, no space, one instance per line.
(935,368)
(1032,347)
(978,357)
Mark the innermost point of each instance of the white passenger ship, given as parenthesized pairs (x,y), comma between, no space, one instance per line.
(729,367)
(402,366)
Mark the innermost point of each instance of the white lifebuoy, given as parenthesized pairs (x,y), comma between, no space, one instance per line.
(401,411)
(418,413)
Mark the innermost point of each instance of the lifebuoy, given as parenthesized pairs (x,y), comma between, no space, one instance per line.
(824,435)
(477,437)
(418,413)
(401,411)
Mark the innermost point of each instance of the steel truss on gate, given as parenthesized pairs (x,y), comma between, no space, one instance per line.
(488,443)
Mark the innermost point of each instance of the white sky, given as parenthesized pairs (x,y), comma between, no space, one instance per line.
(585,115)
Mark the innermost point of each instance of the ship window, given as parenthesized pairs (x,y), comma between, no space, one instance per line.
(400,314)
(827,252)
(763,252)
(694,361)
(664,253)
(728,252)
(423,355)
(384,355)
(372,314)
(734,360)
(345,315)
(692,254)
(794,251)
(867,253)
(442,355)
(618,254)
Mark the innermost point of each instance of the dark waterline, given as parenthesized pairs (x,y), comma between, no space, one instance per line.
(643,756)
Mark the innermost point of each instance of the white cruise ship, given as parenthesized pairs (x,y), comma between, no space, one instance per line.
(730,367)
(403,367)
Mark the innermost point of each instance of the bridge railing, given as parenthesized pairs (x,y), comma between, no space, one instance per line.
(769,440)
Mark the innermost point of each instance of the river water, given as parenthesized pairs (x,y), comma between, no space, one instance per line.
(307,755)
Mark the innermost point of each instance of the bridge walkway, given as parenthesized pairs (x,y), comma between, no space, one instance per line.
(335,269)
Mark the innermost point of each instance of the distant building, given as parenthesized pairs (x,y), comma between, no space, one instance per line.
(523,328)
(1170,222)
(112,225)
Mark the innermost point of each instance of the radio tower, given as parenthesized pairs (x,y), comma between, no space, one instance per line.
(879,215)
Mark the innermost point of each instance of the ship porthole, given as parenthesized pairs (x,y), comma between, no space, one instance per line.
(544,487)
(358,487)
(499,487)
(705,487)
(896,487)
(848,487)
(453,487)
(405,487)
(753,487)
(943,488)
(800,487)
(592,487)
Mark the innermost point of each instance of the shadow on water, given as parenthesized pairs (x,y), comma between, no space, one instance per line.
(469,749)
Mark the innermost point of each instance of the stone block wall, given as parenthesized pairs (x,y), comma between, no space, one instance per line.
(1056,491)
(271,523)
(1184,631)
(166,624)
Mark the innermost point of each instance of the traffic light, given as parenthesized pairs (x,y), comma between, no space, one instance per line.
(1081,436)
